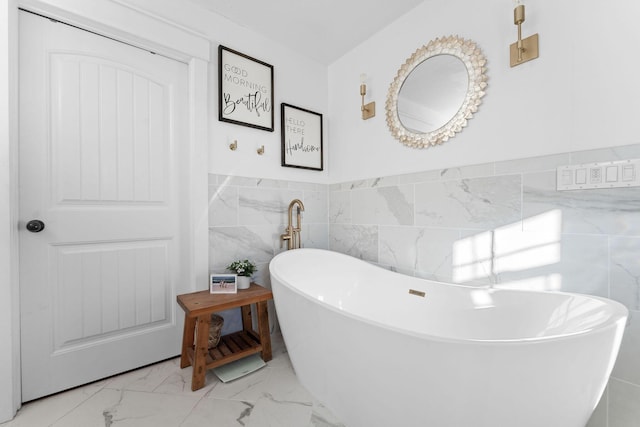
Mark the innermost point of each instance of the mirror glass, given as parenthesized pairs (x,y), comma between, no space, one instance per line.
(436,91)
(432,93)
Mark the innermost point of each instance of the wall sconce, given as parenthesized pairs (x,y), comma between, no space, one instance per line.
(368,110)
(522,50)
(234,145)
(260,150)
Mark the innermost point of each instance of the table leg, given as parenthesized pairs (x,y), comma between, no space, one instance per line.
(247,324)
(187,340)
(263,330)
(200,352)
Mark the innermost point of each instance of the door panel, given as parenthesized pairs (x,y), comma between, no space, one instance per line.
(108,287)
(103,162)
(97,103)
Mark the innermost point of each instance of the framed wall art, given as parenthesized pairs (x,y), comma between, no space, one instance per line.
(301,138)
(245,90)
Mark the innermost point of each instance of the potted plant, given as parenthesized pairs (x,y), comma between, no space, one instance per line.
(244,269)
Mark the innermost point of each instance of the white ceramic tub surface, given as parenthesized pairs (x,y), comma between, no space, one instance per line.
(378,355)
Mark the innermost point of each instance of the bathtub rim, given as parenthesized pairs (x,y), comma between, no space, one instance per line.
(619,312)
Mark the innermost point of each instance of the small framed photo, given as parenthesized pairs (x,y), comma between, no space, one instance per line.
(245,90)
(301,138)
(223,284)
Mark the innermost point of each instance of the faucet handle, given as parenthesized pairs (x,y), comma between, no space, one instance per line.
(284,237)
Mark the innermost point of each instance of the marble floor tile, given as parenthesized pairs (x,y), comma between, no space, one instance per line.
(269,412)
(284,386)
(143,379)
(322,417)
(227,413)
(160,396)
(248,389)
(45,412)
(179,381)
(125,408)
(624,400)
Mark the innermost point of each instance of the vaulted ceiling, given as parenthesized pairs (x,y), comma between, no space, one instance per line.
(321,29)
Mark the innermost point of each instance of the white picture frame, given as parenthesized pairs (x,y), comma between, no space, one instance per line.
(223,284)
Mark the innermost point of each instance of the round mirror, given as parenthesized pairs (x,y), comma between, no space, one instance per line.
(436,91)
(432,93)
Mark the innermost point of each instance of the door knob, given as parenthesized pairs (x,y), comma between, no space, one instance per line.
(35,226)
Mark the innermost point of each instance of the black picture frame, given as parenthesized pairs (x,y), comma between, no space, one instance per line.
(301,138)
(245,90)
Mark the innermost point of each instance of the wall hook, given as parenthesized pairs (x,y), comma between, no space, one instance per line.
(260,151)
(233,145)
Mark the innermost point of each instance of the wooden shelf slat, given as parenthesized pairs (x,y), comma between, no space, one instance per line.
(232,347)
(216,353)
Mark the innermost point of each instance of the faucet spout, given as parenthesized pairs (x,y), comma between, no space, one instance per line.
(292,234)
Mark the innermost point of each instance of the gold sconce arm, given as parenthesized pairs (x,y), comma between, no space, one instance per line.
(524,49)
(368,110)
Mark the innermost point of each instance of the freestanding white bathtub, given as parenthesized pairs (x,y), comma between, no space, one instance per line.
(365,342)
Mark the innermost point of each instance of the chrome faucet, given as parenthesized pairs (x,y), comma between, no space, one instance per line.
(292,234)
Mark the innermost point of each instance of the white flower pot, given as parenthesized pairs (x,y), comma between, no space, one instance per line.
(244,282)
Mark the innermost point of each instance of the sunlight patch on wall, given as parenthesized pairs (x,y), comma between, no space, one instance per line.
(508,249)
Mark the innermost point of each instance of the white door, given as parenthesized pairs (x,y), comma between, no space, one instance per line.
(103,149)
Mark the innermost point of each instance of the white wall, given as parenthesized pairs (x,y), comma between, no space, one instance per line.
(9,315)
(582,92)
(298,80)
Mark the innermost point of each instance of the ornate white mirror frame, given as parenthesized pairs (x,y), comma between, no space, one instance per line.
(472,57)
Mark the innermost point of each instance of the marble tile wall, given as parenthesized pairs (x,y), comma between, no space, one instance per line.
(501,223)
(505,224)
(247,217)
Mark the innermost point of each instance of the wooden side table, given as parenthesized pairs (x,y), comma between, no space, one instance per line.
(198,307)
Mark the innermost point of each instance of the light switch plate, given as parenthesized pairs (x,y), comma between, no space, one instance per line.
(621,173)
